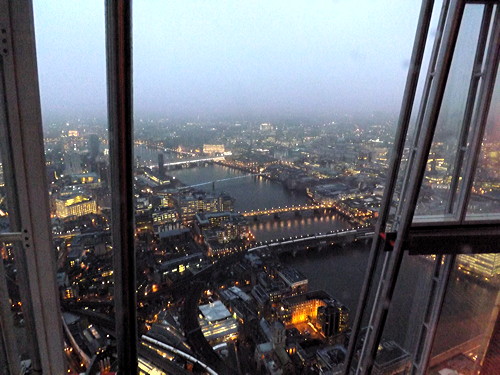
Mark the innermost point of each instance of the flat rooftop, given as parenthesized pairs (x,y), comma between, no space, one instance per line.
(214,311)
(291,276)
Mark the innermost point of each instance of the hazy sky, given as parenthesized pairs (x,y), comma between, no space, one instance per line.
(212,57)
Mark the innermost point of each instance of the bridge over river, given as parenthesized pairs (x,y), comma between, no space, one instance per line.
(280,210)
(186,162)
(319,241)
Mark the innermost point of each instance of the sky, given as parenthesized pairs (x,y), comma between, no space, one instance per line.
(210,58)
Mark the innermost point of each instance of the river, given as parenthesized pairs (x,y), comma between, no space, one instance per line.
(340,271)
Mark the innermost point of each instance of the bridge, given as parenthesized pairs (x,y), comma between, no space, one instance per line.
(279,210)
(220,180)
(320,240)
(189,161)
(160,148)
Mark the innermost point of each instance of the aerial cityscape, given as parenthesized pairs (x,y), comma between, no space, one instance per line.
(251,242)
(262,146)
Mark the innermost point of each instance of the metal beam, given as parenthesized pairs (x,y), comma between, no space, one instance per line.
(476,76)
(423,104)
(454,239)
(479,122)
(120,114)
(396,156)
(27,187)
(391,267)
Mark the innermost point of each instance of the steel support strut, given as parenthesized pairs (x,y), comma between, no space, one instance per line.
(120,114)
(396,156)
(388,278)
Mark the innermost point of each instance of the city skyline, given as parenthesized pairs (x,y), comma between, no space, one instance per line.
(196,59)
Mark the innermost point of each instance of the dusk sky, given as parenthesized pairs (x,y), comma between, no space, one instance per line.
(220,58)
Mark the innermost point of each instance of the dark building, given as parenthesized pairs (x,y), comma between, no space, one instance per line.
(94,146)
(333,321)
(161,165)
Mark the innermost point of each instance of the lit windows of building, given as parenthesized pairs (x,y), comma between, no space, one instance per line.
(213,149)
(483,266)
(90,180)
(76,205)
(217,324)
(164,216)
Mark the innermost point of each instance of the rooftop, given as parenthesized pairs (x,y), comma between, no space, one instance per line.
(214,311)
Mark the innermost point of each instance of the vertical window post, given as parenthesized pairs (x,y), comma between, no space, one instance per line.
(119,80)
(21,139)
(397,154)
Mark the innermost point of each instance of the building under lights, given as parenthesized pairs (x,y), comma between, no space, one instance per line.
(318,310)
(217,324)
(213,149)
(76,205)
(486,266)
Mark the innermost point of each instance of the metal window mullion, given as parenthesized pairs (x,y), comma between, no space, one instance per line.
(469,108)
(478,125)
(381,306)
(401,133)
(35,260)
(423,103)
(6,326)
(119,82)
(11,194)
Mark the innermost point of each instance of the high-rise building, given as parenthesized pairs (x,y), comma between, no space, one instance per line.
(94,145)
(333,319)
(161,165)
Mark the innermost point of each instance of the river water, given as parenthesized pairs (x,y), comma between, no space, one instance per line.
(340,271)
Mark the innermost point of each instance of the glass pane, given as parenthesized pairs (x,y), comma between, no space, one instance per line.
(396,352)
(71,62)
(466,322)
(435,191)
(260,159)
(485,195)
(469,314)
(412,137)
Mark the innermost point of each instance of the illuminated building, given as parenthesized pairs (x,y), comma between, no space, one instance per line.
(90,180)
(217,324)
(265,127)
(226,202)
(190,205)
(213,149)
(486,266)
(69,293)
(210,220)
(77,205)
(317,308)
(165,216)
(180,265)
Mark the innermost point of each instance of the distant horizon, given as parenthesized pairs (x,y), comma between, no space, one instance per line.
(278,59)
